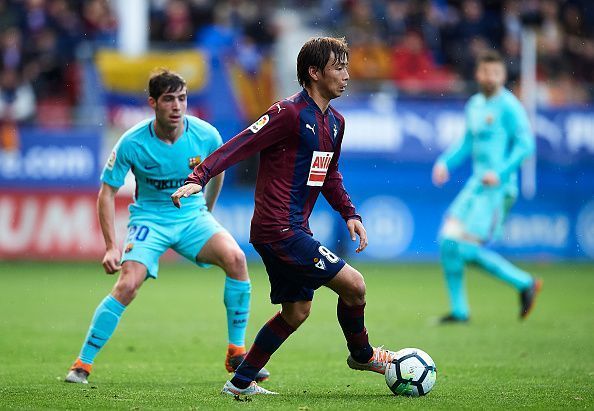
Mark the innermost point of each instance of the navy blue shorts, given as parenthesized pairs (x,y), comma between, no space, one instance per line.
(297,266)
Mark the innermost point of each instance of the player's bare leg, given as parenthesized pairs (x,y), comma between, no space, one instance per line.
(106,319)
(223,251)
(350,287)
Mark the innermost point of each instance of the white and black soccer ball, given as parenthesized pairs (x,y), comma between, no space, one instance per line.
(412,373)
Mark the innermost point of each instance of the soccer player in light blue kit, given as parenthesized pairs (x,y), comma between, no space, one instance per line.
(161,152)
(497,138)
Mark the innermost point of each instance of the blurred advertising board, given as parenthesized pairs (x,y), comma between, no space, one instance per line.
(48,159)
(401,225)
(53,226)
(420,130)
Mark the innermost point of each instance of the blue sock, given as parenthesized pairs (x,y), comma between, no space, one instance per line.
(237,301)
(503,269)
(106,318)
(452,261)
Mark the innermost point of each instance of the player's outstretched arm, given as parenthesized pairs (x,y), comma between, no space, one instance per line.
(185,191)
(106,211)
(356,228)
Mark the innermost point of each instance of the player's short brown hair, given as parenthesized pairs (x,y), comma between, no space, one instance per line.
(163,81)
(316,52)
(489,56)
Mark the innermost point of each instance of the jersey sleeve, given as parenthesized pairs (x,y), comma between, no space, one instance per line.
(333,189)
(274,126)
(457,152)
(118,164)
(522,140)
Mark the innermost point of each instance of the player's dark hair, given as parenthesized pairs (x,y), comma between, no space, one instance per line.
(316,52)
(489,56)
(164,81)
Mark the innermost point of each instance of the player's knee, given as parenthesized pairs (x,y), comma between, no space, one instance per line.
(234,264)
(448,247)
(296,316)
(126,289)
(299,317)
(355,294)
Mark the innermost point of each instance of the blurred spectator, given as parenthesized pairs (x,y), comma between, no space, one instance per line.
(98,21)
(513,59)
(511,19)
(11,48)
(395,15)
(17,100)
(414,69)
(17,105)
(550,41)
(178,26)
(579,46)
(360,26)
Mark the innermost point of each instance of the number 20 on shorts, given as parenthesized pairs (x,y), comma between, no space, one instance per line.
(138,233)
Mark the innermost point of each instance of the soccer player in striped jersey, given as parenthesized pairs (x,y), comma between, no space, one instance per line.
(299,140)
(498,138)
(160,151)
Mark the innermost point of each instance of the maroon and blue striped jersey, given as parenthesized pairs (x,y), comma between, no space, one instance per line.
(299,148)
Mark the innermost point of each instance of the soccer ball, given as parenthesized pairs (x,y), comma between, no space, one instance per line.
(412,373)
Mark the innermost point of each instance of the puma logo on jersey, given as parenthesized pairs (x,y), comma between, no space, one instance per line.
(278,106)
(312,128)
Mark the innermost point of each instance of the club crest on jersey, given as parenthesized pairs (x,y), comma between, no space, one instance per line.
(320,161)
(257,126)
(129,247)
(194,161)
(489,119)
(319,263)
(111,160)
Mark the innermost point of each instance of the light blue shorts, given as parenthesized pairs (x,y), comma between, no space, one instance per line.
(147,240)
(482,210)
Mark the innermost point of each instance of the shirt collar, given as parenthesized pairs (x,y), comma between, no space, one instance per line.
(312,103)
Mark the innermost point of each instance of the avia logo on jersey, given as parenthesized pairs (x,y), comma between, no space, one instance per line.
(194,161)
(111,160)
(320,162)
(257,126)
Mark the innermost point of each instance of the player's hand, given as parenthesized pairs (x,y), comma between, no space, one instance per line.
(185,191)
(490,179)
(111,261)
(440,174)
(356,229)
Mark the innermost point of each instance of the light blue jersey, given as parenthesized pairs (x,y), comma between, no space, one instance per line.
(161,168)
(497,138)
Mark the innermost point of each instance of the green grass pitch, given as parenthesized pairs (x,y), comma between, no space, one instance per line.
(168,351)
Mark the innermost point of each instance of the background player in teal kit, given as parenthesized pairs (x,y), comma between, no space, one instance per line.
(160,152)
(497,138)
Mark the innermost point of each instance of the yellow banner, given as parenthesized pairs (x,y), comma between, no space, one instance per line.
(130,74)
